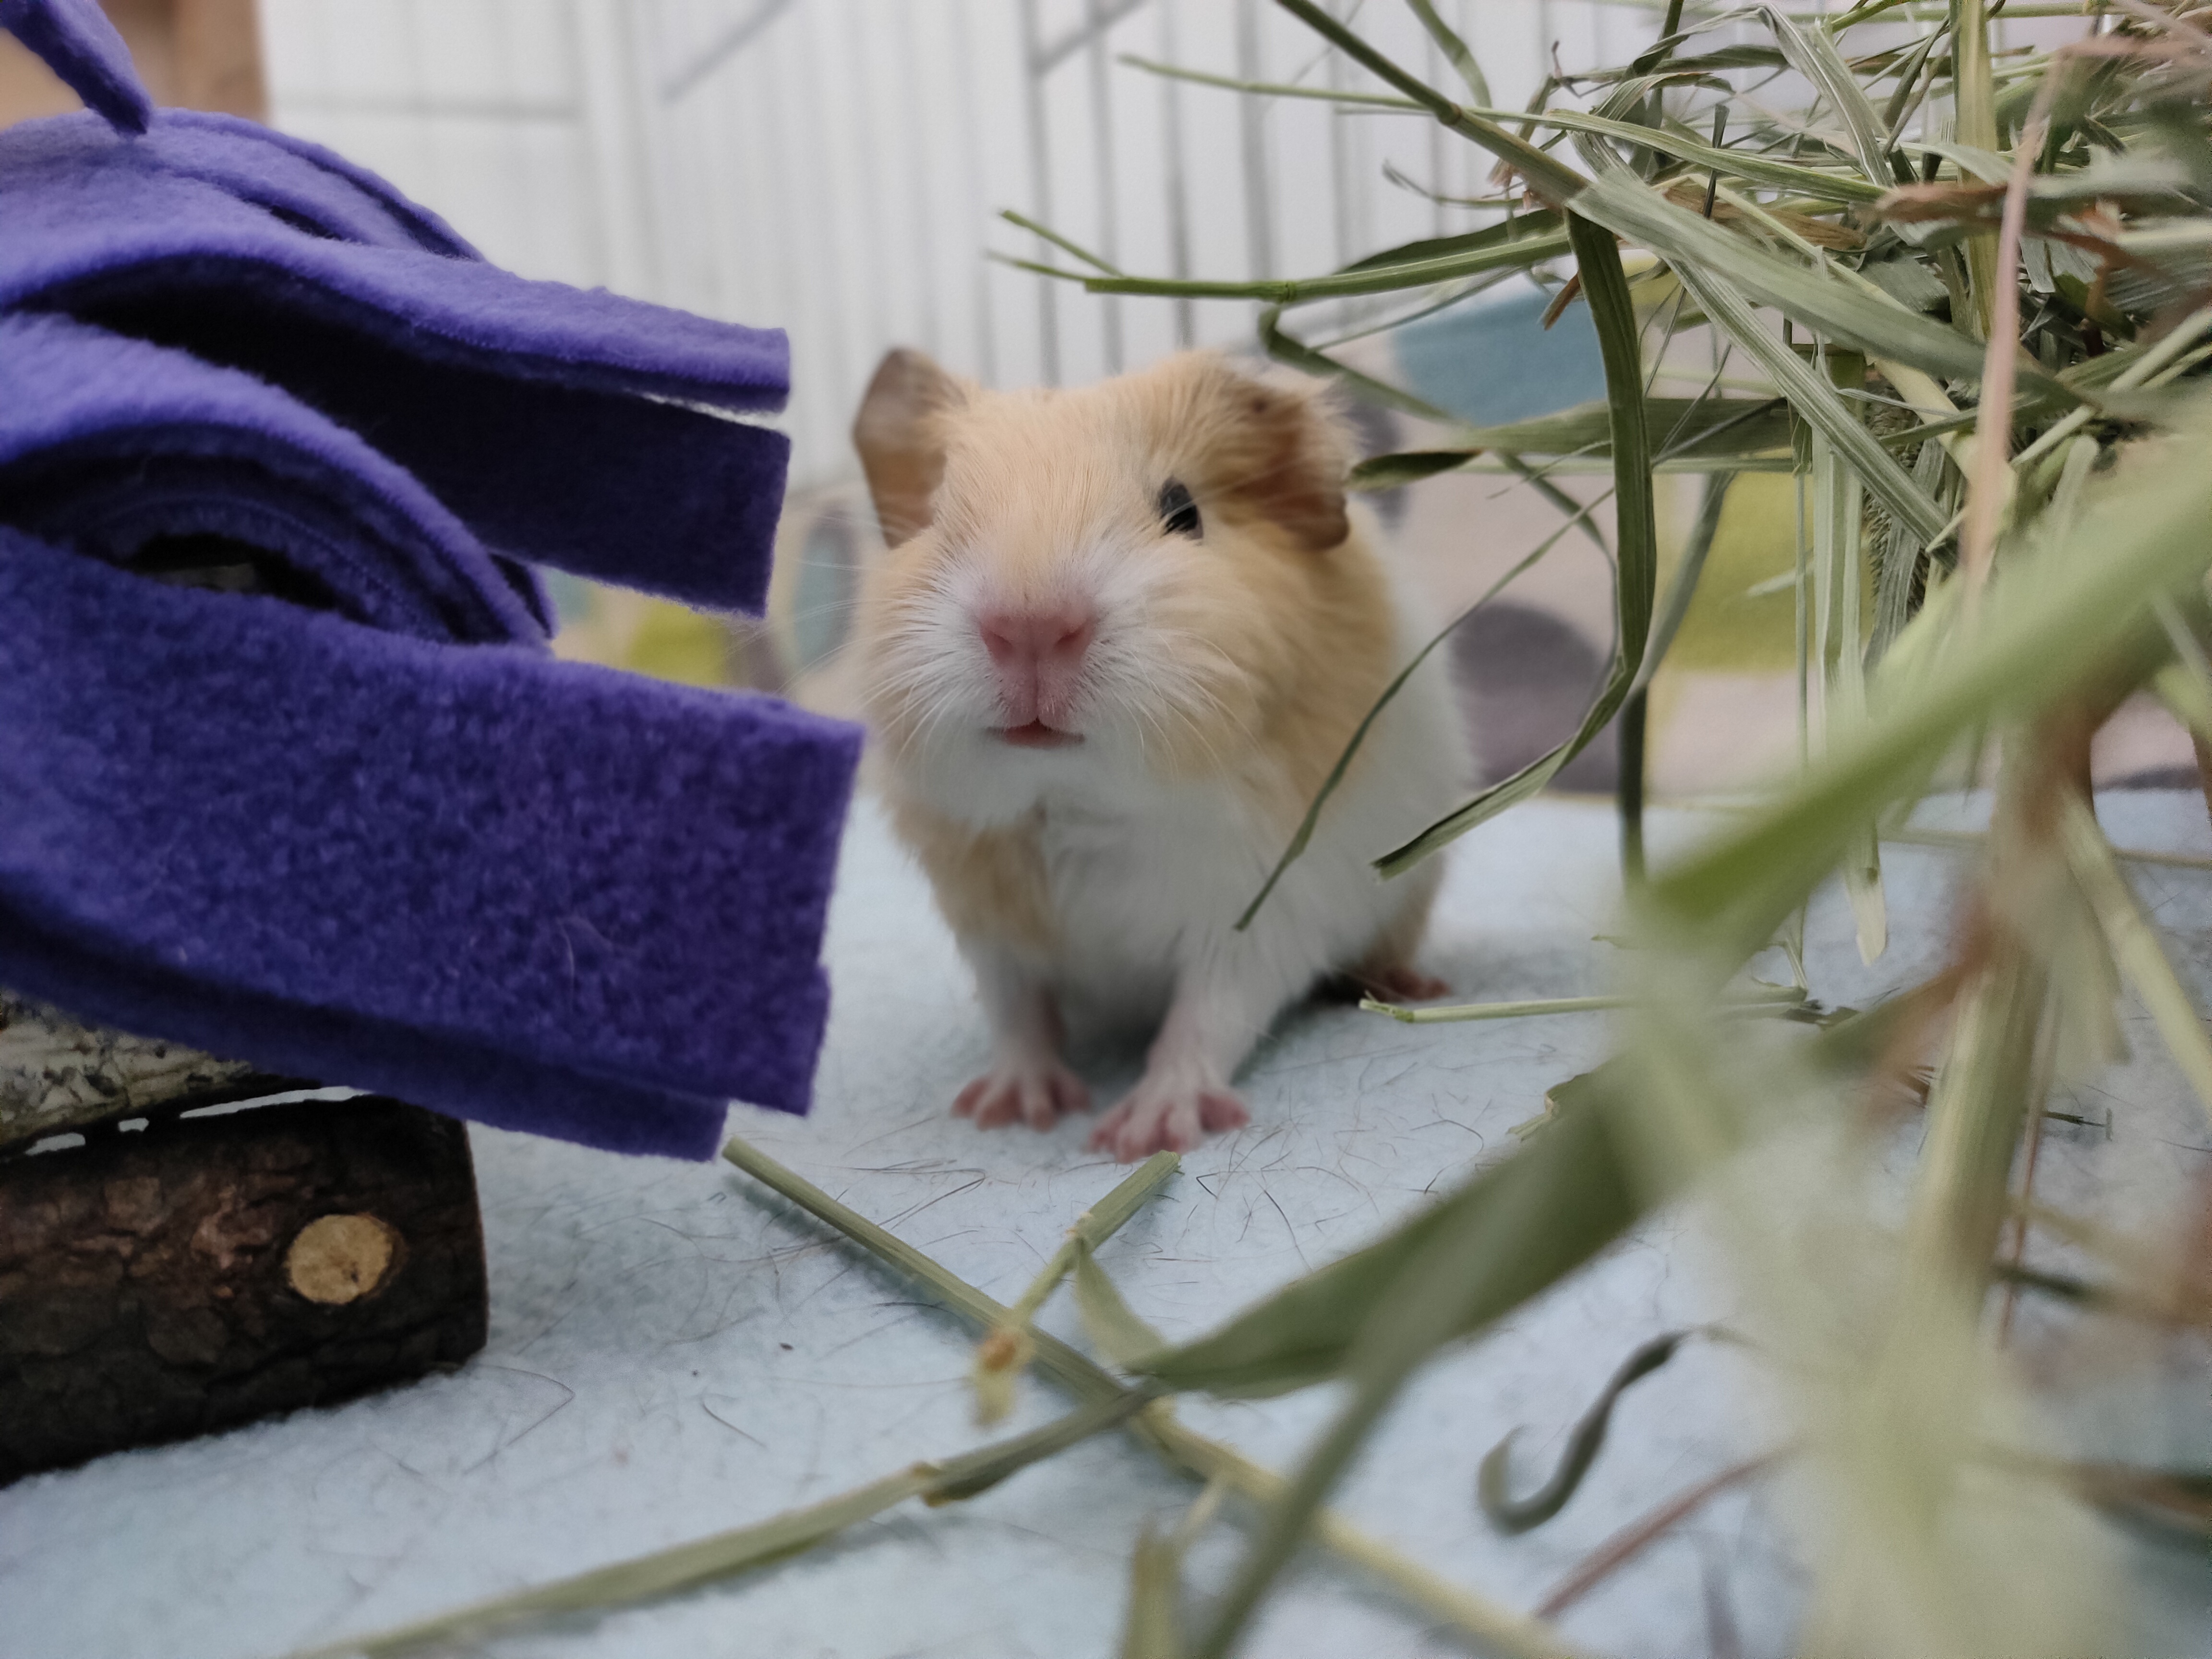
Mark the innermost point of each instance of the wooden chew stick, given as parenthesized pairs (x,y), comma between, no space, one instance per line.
(197,1272)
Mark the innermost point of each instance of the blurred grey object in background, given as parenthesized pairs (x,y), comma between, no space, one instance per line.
(1526,678)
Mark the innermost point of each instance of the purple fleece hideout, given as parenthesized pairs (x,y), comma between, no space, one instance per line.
(564,425)
(345,816)
(536,893)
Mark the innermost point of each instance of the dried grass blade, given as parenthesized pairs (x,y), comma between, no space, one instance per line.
(1975,125)
(1683,588)
(1455,49)
(1549,177)
(1268,88)
(1624,1546)
(1837,560)
(1467,1011)
(665,1572)
(1902,554)
(1023,222)
(1520,228)
(1746,165)
(1113,1327)
(1574,1178)
(1966,841)
(1815,400)
(977,1472)
(1989,489)
(1597,259)
(1813,54)
(1493,1488)
(2082,606)
(1303,835)
(646,1576)
(1842,311)
(1507,1631)
(1005,1350)
(1776,998)
(2135,947)
(1444,1286)
(1154,1629)
(1494,1628)
(1905,1433)
(1514,253)
(1080,1375)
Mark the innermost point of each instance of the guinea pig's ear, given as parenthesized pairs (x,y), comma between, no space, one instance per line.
(1279,451)
(900,434)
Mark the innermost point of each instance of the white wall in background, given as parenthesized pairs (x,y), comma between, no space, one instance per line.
(833,166)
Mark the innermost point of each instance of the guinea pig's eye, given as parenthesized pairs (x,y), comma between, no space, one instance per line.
(1178,512)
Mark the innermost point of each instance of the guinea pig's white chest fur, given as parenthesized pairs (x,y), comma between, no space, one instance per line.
(1134,886)
(1121,638)
(1147,881)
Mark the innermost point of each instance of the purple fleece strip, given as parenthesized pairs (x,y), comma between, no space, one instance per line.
(247,160)
(81,46)
(538,413)
(109,445)
(83,205)
(511,888)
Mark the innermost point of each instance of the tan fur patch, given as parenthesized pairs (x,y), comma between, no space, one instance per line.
(896,433)
(989,884)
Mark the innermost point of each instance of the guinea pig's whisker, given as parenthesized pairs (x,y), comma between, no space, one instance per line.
(939,712)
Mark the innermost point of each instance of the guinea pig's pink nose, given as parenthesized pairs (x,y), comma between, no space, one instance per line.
(1055,637)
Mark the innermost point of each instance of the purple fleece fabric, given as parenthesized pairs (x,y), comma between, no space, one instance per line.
(570,427)
(81,46)
(536,893)
(115,449)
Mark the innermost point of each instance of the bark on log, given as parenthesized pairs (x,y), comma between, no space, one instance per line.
(58,1073)
(207,1271)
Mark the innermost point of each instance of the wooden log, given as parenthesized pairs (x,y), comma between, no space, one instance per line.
(208,1270)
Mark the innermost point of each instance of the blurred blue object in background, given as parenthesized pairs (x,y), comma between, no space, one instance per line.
(1490,360)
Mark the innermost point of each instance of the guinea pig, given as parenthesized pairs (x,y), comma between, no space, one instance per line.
(1120,637)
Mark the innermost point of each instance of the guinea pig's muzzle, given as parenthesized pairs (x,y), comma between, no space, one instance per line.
(1037,663)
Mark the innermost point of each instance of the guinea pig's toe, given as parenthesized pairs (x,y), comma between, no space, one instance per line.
(1220,1111)
(1040,1102)
(1107,1137)
(1137,1142)
(1068,1093)
(999,1107)
(1408,983)
(994,1100)
(1035,1094)
(1167,1119)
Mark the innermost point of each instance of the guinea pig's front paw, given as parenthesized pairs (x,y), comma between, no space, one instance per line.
(1165,1116)
(1033,1091)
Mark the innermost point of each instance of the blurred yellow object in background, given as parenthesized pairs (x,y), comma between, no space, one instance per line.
(618,628)
(1743,619)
